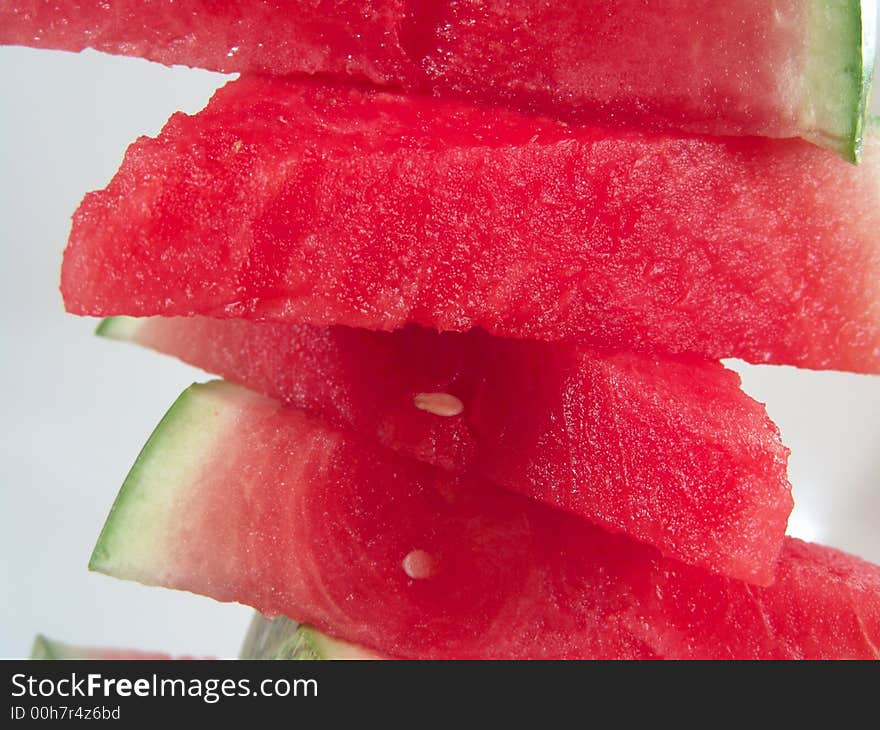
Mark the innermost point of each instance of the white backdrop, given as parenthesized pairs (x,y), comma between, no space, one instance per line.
(78,408)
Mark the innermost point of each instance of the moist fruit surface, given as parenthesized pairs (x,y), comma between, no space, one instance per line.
(293,201)
(783,69)
(667,450)
(240,498)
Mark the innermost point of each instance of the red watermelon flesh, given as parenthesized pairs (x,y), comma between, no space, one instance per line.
(783,69)
(328,205)
(667,450)
(240,498)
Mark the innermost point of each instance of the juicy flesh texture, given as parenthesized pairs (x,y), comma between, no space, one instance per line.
(291,201)
(724,68)
(667,450)
(294,518)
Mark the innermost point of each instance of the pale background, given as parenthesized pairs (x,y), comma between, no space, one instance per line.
(76,408)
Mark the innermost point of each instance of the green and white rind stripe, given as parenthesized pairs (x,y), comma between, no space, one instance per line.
(44,648)
(133,544)
(322,646)
(120,328)
(283,638)
(841,37)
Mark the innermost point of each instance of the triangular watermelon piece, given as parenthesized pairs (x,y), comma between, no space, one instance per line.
(799,68)
(293,201)
(667,450)
(242,499)
(45,648)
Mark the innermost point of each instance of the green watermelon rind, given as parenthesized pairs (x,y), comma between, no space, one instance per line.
(268,638)
(45,648)
(131,542)
(283,638)
(122,328)
(841,41)
(317,645)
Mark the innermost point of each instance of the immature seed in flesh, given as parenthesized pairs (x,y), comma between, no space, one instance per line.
(440,404)
(418,564)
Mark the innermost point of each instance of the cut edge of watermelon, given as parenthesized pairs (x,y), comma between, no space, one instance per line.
(283,638)
(158,481)
(840,64)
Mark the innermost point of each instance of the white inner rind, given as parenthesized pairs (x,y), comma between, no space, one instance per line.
(840,44)
(121,328)
(45,648)
(326,647)
(284,638)
(135,543)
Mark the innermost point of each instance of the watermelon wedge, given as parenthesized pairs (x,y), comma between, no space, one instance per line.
(45,648)
(300,202)
(782,69)
(282,638)
(241,499)
(669,451)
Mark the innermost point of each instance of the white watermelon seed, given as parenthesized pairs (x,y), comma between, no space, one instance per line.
(440,404)
(418,564)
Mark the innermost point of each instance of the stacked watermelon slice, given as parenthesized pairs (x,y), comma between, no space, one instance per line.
(468,270)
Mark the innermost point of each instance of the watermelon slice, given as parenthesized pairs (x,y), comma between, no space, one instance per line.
(669,451)
(783,69)
(282,638)
(239,498)
(298,202)
(45,648)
